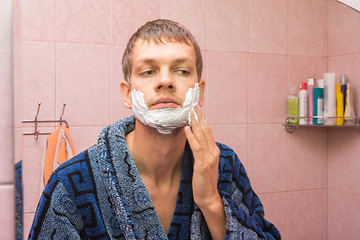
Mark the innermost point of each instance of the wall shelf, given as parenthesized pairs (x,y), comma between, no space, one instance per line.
(290,128)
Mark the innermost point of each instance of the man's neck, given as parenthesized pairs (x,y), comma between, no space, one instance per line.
(158,157)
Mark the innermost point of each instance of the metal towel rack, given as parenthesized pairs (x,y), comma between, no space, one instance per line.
(36,132)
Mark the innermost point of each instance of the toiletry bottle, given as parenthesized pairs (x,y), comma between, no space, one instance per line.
(343,81)
(293,107)
(310,89)
(349,114)
(329,99)
(319,102)
(339,105)
(303,104)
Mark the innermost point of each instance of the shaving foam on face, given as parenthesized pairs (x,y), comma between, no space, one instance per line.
(165,120)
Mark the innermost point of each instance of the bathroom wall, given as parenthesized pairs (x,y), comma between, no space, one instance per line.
(7,188)
(343,145)
(254,52)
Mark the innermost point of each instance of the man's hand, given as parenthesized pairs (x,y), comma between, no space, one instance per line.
(205,175)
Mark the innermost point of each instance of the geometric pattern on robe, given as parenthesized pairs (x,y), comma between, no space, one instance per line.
(99,194)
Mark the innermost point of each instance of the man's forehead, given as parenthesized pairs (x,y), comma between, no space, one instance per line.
(149,50)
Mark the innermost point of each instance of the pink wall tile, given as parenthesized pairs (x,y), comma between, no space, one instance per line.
(37,81)
(37,20)
(7,209)
(227,87)
(234,136)
(28,219)
(304,214)
(191,14)
(84,137)
(306,159)
(268,26)
(306,27)
(128,16)
(343,160)
(348,65)
(17,84)
(302,68)
(18,144)
(344,31)
(31,169)
(118,110)
(267,157)
(275,210)
(227,25)
(343,215)
(83,82)
(16,18)
(83,21)
(267,88)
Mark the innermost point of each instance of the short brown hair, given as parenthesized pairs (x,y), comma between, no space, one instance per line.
(158,31)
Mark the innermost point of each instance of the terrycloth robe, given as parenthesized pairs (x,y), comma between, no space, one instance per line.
(99,194)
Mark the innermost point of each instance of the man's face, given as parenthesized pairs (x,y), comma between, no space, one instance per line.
(163,72)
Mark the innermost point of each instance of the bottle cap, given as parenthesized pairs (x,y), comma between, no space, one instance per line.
(311,81)
(343,79)
(303,86)
(320,83)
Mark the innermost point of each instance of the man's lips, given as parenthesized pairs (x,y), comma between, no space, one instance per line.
(164,102)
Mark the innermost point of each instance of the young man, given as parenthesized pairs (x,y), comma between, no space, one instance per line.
(153,176)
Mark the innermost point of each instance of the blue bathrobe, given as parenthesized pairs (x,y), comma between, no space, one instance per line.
(99,194)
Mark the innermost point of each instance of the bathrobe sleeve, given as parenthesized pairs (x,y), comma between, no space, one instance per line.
(243,209)
(57,216)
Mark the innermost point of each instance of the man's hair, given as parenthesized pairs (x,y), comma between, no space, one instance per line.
(158,31)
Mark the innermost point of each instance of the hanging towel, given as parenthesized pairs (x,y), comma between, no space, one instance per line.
(59,148)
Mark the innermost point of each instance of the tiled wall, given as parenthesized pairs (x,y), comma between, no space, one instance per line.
(254,51)
(343,145)
(7,188)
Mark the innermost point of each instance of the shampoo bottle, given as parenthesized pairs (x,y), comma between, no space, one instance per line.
(310,89)
(339,105)
(319,102)
(329,99)
(349,114)
(343,81)
(303,104)
(293,107)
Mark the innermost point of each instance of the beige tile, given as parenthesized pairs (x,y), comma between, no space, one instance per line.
(304,214)
(128,16)
(306,159)
(268,26)
(7,209)
(267,157)
(83,21)
(227,88)
(83,82)
(267,88)
(227,25)
(306,27)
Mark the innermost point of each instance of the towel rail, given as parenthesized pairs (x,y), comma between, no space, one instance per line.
(36,132)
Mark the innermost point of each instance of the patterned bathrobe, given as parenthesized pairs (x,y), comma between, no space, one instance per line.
(99,194)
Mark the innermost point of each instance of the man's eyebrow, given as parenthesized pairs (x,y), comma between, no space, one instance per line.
(151,60)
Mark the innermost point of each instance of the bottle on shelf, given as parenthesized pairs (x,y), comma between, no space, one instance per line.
(303,104)
(319,103)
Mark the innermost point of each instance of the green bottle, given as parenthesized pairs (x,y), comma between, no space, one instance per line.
(293,108)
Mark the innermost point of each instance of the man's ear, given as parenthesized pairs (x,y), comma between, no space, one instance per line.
(126,94)
(202,92)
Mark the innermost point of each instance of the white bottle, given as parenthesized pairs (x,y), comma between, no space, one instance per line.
(303,104)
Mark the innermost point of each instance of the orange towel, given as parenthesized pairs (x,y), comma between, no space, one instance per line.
(59,148)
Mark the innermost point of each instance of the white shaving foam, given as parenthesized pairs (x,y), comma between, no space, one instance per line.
(165,120)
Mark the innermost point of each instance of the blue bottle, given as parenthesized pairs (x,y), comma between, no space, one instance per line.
(319,103)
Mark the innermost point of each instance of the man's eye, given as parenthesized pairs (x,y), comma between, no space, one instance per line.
(183,72)
(148,73)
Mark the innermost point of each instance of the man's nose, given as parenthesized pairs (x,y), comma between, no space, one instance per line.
(165,81)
